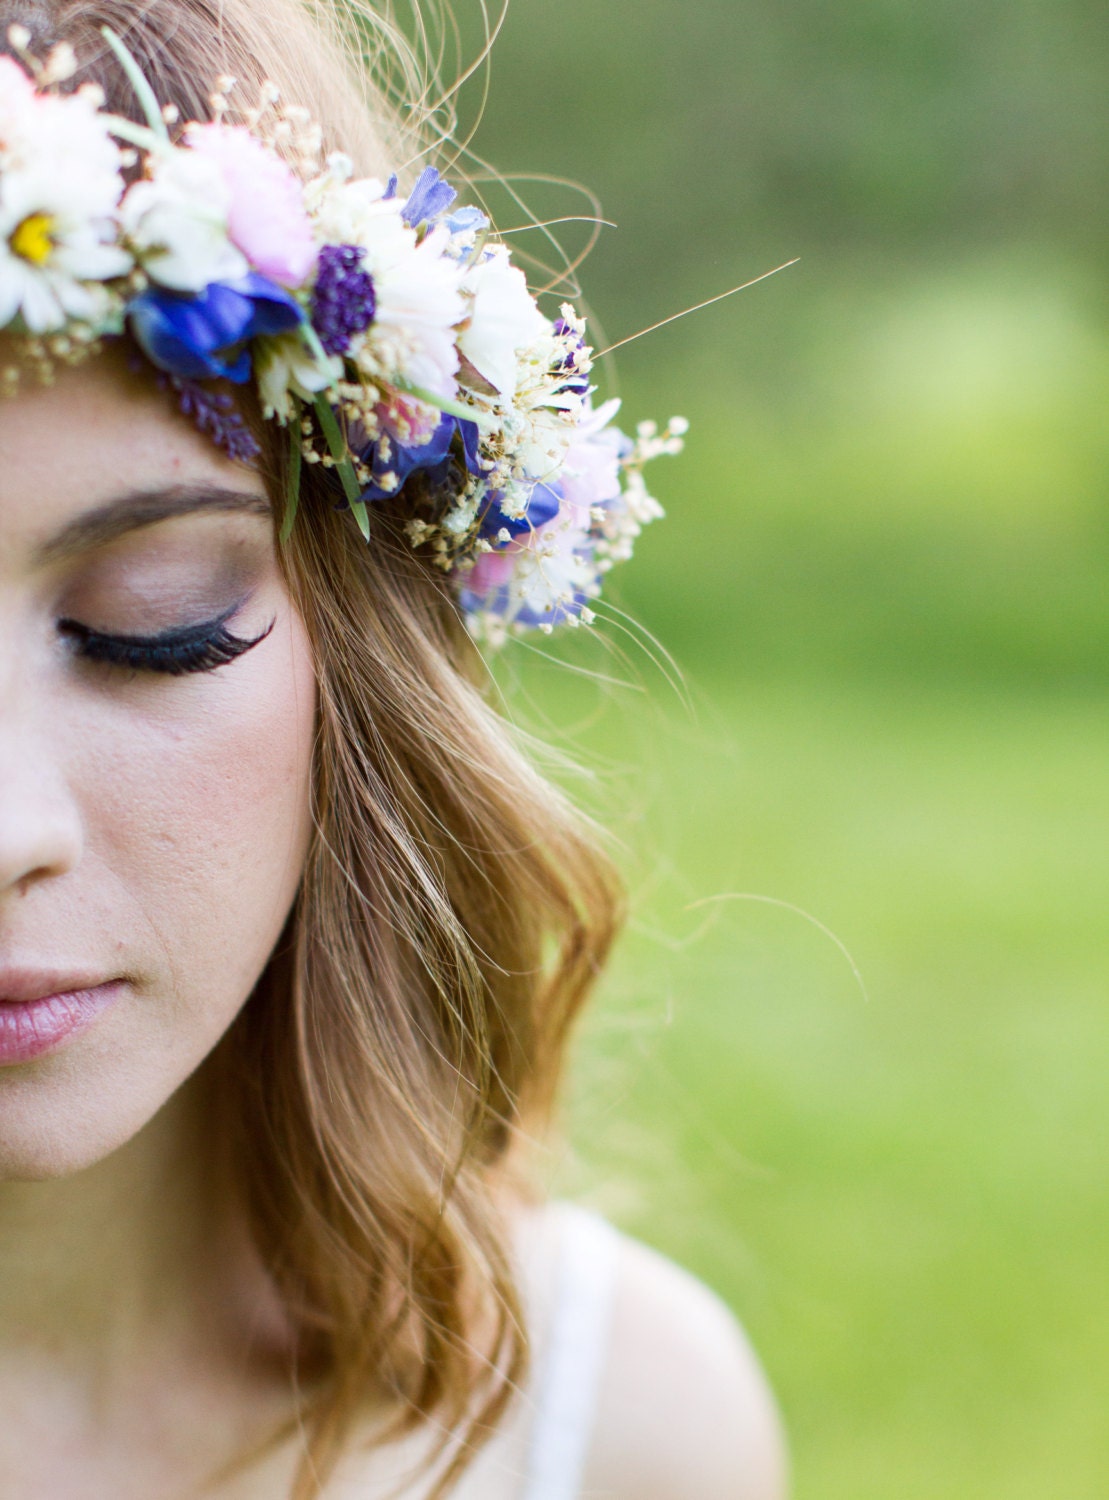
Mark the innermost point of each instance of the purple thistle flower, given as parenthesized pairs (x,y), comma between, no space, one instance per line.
(344,301)
(215,414)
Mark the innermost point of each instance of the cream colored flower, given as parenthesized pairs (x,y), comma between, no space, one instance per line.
(503,320)
(176,221)
(284,367)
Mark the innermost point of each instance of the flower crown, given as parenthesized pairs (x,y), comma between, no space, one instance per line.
(391,337)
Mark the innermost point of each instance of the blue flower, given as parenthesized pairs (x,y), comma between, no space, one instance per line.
(432,457)
(203,335)
(428,200)
(543,504)
(465,219)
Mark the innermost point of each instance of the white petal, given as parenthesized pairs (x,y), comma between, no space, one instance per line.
(178,223)
(10,291)
(78,301)
(42,311)
(503,320)
(90,262)
(192,255)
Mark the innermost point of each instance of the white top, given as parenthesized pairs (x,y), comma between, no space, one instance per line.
(570,1366)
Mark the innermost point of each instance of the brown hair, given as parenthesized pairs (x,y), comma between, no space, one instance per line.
(454,909)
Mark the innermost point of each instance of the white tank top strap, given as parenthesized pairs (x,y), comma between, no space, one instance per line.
(570,1364)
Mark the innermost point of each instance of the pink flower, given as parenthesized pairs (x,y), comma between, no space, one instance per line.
(591,470)
(545,572)
(267,220)
(409,421)
(492,570)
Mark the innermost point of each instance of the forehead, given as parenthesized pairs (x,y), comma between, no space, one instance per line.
(98,432)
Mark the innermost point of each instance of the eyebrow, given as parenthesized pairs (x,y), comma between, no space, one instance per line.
(138,508)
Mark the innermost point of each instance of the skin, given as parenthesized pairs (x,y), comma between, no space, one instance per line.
(152,827)
(153,830)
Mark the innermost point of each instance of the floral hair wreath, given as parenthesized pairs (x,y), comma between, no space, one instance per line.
(392,338)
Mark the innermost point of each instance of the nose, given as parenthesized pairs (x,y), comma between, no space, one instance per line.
(41,831)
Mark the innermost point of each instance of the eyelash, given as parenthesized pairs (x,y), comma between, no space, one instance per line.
(175,653)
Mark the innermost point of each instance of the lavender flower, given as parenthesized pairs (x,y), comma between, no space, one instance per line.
(215,413)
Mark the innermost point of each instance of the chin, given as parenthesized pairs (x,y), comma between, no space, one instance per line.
(54,1124)
(33,1151)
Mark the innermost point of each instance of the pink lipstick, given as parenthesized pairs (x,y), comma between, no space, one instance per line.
(40,1012)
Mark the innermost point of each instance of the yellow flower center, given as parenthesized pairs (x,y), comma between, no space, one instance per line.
(33,239)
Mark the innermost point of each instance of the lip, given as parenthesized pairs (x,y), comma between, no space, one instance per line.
(39,1011)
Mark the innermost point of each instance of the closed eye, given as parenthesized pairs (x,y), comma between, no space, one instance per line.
(192,648)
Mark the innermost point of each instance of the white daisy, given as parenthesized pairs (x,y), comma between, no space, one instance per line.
(59,188)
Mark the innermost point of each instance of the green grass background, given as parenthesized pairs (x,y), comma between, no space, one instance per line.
(885,578)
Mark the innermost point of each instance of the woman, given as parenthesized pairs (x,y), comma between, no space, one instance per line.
(291,934)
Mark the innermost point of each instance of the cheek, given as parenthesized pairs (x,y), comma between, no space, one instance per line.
(194,798)
(199,811)
(197,819)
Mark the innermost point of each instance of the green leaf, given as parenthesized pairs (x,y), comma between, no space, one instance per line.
(361,515)
(479,247)
(135,77)
(329,426)
(135,135)
(351,488)
(337,447)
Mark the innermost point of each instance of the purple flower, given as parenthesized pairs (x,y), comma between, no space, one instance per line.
(428,200)
(344,301)
(428,203)
(204,335)
(215,413)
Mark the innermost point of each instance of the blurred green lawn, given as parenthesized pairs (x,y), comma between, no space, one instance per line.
(896,647)
(885,578)
(900,1191)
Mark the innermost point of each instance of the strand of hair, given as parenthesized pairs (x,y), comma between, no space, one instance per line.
(673,318)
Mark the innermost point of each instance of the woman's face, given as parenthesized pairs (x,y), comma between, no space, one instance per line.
(154,765)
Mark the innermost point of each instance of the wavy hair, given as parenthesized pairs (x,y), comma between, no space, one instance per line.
(454,910)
